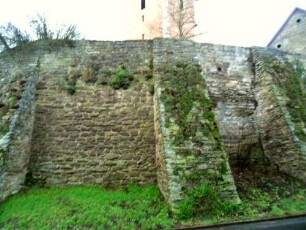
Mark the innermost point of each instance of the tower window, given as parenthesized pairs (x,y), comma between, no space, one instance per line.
(143,4)
(298,20)
(279,46)
(181,4)
(142,18)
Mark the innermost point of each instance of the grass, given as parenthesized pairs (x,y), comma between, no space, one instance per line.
(86,208)
(92,207)
(260,205)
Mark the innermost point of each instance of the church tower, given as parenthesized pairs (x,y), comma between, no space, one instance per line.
(150,19)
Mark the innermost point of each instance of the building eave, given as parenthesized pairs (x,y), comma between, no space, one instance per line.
(297,9)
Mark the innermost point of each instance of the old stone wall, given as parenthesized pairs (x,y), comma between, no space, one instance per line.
(280,113)
(230,81)
(189,146)
(167,52)
(85,131)
(95,136)
(98,134)
(15,145)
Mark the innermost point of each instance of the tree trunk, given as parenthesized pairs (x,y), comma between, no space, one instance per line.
(4,43)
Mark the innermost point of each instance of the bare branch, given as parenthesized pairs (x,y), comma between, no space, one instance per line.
(11,36)
(4,43)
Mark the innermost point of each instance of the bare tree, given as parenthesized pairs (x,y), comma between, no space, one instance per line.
(41,28)
(177,20)
(11,36)
(3,43)
(181,19)
(67,32)
(43,31)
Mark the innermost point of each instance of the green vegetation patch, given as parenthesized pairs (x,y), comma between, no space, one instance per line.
(86,207)
(188,109)
(290,79)
(135,207)
(122,79)
(205,201)
(204,206)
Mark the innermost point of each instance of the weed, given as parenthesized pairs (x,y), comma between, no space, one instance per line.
(151,89)
(122,79)
(4,129)
(276,211)
(12,101)
(223,168)
(204,201)
(104,77)
(71,89)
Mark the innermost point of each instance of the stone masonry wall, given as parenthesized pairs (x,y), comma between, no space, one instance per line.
(16,144)
(230,82)
(187,154)
(97,135)
(112,137)
(285,150)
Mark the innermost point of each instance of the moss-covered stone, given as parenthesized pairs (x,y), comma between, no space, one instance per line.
(288,77)
(189,112)
(193,146)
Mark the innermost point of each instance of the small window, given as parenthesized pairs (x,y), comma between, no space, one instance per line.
(142,36)
(298,21)
(219,69)
(142,18)
(143,4)
(279,46)
(181,4)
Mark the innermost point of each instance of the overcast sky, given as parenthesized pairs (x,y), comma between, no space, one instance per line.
(229,22)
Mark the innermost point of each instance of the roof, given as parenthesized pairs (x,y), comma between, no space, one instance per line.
(296,10)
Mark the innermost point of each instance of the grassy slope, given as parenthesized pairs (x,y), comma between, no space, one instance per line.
(92,207)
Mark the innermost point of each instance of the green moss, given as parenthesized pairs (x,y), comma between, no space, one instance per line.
(223,168)
(4,129)
(12,101)
(288,77)
(150,64)
(186,103)
(2,152)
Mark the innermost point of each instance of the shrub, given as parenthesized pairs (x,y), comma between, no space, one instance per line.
(71,89)
(204,201)
(122,79)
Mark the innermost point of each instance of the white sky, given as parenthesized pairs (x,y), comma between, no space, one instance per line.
(243,22)
(229,22)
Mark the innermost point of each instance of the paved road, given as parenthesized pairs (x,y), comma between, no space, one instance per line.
(290,223)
